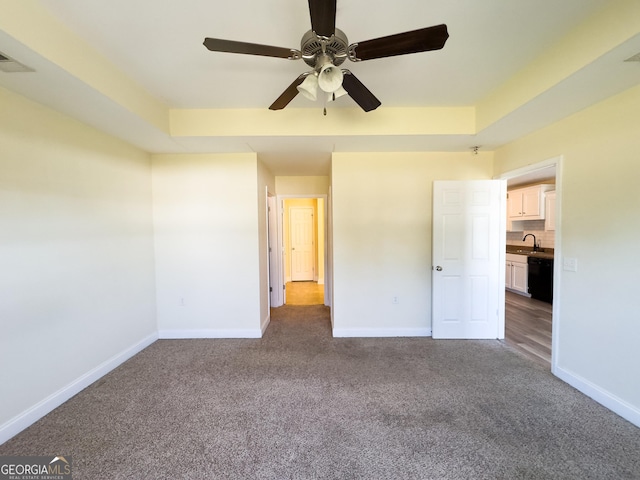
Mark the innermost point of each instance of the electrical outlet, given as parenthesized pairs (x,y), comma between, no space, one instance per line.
(182,304)
(395,300)
(570,264)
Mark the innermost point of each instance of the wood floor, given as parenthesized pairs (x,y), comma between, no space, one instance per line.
(528,327)
(304,293)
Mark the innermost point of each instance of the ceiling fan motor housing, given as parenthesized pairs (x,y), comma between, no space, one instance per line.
(316,47)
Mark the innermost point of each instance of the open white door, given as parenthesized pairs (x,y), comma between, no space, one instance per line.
(468,260)
(274,266)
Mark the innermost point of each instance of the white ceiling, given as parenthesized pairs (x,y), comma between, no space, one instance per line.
(159,45)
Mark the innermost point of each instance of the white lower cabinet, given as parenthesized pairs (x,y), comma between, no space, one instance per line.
(517,272)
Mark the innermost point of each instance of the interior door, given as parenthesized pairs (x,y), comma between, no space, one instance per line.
(302,244)
(272,238)
(468,257)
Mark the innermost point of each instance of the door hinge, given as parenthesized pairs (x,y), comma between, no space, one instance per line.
(270,289)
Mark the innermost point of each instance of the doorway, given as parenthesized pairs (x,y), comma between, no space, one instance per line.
(306,286)
(531,324)
(305,293)
(302,250)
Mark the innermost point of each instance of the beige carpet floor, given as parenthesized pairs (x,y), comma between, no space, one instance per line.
(299,404)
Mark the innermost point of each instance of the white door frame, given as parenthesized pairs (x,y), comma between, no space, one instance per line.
(280,298)
(557,250)
(272,242)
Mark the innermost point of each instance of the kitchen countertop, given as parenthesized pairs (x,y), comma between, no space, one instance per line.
(528,251)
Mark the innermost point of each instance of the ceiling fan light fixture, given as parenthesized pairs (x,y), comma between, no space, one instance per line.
(330,78)
(324,48)
(340,92)
(309,87)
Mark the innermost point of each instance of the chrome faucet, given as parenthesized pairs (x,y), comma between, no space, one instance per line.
(535,245)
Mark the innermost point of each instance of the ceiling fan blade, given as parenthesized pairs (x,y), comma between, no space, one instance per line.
(289,94)
(425,39)
(360,94)
(323,17)
(231,46)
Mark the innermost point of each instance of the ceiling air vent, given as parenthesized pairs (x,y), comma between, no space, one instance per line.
(9,65)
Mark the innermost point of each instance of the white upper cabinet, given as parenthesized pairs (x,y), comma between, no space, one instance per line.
(528,203)
(513,226)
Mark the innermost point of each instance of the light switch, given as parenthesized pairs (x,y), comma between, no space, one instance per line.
(570,264)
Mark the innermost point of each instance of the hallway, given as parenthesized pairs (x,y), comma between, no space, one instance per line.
(304,293)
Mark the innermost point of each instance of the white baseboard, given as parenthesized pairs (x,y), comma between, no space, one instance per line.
(265,324)
(603,397)
(53,401)
(210,333)
(381,332)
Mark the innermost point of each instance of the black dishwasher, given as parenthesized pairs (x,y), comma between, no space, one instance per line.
(541,278)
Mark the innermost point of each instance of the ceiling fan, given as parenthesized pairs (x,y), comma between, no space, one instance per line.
(325,48)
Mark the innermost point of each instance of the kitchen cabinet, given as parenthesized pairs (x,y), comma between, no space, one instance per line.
(550,211)
(516,273)
(527,203)
(513,226)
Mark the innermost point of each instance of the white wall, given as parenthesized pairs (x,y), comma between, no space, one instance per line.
(76,258)
(598,326)
(207,245)
(382,211)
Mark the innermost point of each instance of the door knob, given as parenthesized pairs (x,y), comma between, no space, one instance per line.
(439,268)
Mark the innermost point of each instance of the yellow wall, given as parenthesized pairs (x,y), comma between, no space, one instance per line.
(307,122)
(77,257)
(382,206)
(598,328)
(310,185)
(207,244)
